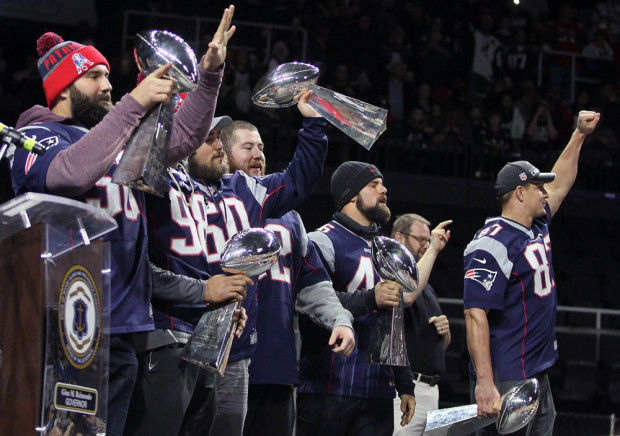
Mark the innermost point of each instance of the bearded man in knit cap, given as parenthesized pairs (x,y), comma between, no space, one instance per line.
(84,134)
(343,395)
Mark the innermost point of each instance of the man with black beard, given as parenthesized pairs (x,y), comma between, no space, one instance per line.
(81,159)
(88,110)
(342,395)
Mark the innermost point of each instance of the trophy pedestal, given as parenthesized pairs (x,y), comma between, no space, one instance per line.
(209,345)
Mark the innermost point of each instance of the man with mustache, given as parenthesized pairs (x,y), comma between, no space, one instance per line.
(167,387)
(348,395)
(427,329)
(297,282)
(510,295)
(85,134)
(205,207)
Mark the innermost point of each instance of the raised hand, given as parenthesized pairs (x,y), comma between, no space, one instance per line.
(155,88)
(342,340)
(440,236)
(302,104)
(587,121)
(216,53)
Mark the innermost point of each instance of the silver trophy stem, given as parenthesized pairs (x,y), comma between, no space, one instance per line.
(361,121)
(144,161)
(209,345)
(387,343)
(250,252)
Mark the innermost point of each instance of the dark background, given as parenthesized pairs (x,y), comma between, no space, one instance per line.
(449,129)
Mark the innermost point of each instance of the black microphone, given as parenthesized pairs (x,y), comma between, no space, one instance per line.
(17,138)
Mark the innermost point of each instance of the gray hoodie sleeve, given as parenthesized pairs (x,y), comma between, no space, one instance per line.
(320,303)
(76,169)
(176,288)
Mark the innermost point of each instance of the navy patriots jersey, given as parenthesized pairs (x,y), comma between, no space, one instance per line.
(508,270)
(348,258)
(131,279)
(275,359)
(189,239)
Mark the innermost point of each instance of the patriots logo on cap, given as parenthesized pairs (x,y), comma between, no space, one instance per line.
(523,176)
(483,276)
(82,64)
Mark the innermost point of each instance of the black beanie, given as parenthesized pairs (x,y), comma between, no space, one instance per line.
(349,179)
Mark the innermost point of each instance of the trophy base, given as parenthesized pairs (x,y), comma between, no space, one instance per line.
(387,341)
(209,346)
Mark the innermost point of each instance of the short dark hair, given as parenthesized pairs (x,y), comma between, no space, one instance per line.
(403,222)
(228,133)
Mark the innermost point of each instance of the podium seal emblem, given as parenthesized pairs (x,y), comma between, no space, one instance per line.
(79,317)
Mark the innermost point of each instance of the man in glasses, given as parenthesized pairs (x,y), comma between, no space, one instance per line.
(427,330)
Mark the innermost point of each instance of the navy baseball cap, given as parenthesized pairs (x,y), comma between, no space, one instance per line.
(520,173)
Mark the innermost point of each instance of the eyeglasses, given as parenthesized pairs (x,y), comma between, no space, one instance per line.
(422,240)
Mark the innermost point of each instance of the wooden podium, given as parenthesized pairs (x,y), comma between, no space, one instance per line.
(54,316)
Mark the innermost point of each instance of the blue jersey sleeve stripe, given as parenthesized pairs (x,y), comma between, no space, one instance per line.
(495,249)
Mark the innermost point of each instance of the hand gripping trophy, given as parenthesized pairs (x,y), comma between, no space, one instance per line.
(251,252)
(518,406)
(361,121)
(393,262)
(145,159)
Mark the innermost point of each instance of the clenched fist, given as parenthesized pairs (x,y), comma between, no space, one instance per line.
(587,121)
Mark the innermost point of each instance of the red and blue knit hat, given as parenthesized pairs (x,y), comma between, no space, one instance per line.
(62,62)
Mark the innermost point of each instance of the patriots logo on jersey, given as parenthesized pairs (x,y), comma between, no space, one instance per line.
(483,276)
(81,63)
(49,142)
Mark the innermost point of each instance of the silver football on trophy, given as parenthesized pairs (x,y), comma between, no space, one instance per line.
(250,252)
(518,406)
(361,121)
(144,161)
(394,262)
(155,48)
(277,88)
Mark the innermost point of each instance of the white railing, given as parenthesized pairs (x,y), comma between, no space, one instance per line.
(198,25)
(573,68)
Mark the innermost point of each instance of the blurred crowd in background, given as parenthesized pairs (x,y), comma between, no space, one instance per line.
(468,85)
